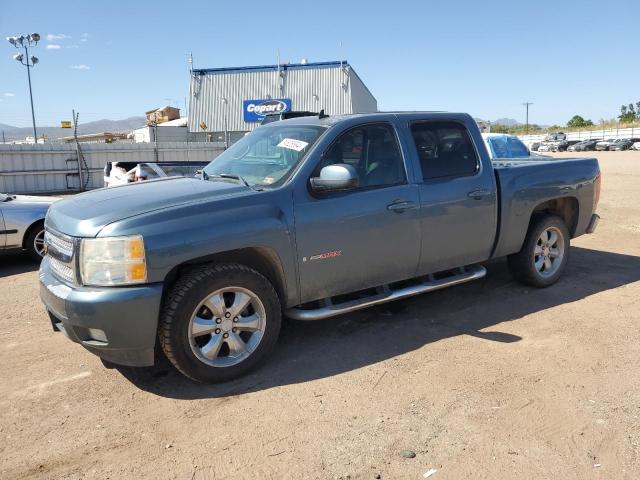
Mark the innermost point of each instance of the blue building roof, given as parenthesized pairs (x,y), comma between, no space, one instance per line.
(287,66)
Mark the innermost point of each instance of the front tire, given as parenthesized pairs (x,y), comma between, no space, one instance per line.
(219,322)
(544,254)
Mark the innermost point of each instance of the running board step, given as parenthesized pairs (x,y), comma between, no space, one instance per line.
(466,274)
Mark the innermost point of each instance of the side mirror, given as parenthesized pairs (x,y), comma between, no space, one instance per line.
(335,178)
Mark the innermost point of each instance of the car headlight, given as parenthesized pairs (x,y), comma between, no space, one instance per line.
(113,261)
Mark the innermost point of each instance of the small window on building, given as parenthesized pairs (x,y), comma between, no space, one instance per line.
(217,136)
(444,149)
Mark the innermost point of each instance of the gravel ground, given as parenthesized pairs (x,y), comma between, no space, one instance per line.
(485,380)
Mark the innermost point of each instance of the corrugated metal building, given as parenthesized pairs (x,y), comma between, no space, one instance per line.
(228,102)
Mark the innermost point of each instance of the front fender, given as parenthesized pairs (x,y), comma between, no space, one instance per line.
(178,235)
(19,220)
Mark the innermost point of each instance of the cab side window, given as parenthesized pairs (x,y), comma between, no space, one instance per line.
(373,151)
(444,149)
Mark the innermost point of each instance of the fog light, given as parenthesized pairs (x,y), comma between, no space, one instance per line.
(97,334)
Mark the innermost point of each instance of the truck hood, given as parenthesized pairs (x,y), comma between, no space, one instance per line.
(84,215)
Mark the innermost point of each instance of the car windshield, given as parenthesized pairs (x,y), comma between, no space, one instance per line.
(266,156)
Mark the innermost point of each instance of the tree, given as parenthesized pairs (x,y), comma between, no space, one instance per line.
(578,122)
(499,128)
(627,114)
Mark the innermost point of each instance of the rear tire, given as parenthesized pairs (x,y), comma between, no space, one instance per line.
(544,254)
(219,322)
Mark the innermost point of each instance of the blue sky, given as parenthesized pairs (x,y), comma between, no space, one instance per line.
(118,59)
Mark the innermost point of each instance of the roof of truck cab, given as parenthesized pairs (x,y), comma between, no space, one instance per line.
(335,119)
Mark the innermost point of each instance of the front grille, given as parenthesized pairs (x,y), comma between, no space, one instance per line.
(63,245)
(61,270)
(60,250)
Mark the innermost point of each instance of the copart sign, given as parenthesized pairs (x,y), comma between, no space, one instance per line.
(256,110)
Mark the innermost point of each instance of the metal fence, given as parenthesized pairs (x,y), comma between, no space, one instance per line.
(607,133)
(55,167)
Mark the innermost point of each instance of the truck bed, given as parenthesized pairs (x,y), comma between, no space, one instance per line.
(525,184)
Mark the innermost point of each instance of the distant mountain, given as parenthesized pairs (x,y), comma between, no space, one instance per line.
(509,122)
(112,126)
(6,127)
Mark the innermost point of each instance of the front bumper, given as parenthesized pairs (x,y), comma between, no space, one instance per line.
(118,324)
(593,223)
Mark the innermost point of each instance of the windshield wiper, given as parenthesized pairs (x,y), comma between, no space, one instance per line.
(232,176)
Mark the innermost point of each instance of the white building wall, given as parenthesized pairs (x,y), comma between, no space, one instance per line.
(217,97)
(632,132)
(53,167)
(362,99)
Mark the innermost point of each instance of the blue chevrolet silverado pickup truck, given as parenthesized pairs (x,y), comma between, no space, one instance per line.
(308,218)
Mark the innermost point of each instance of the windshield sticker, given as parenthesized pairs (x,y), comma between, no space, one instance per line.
(293,144)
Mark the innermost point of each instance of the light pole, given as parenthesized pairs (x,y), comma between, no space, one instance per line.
(526,104)
(26,41)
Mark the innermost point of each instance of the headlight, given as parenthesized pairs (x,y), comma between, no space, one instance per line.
(113,261)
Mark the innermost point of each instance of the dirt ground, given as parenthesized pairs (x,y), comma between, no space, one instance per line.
(486,380)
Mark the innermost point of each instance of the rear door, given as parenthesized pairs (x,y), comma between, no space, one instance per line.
(458,201)
(348,241)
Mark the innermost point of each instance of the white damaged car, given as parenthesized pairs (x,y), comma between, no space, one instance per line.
(22,223)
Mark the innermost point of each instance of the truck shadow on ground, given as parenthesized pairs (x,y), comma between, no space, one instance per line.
(312,350)
(16,263)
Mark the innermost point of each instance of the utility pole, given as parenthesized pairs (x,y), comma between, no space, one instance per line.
(25,41)
(81,184)
(526,105)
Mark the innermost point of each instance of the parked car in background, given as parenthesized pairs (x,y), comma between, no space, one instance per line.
(636,146)
(310,218)
(22,223)
(555,137)
(502,145)
(547,146)
(121,173)
(564,145)
(620,144)
(604,145)
(583,146)
(534,146)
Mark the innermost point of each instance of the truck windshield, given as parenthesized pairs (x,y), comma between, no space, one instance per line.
(266,156)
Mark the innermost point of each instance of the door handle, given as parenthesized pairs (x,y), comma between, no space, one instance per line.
(479,193)
(401,206)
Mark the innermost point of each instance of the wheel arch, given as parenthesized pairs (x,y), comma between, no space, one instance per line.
(262,259)
(567,208)
(30,229)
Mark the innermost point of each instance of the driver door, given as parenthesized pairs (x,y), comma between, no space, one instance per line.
(365,237)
